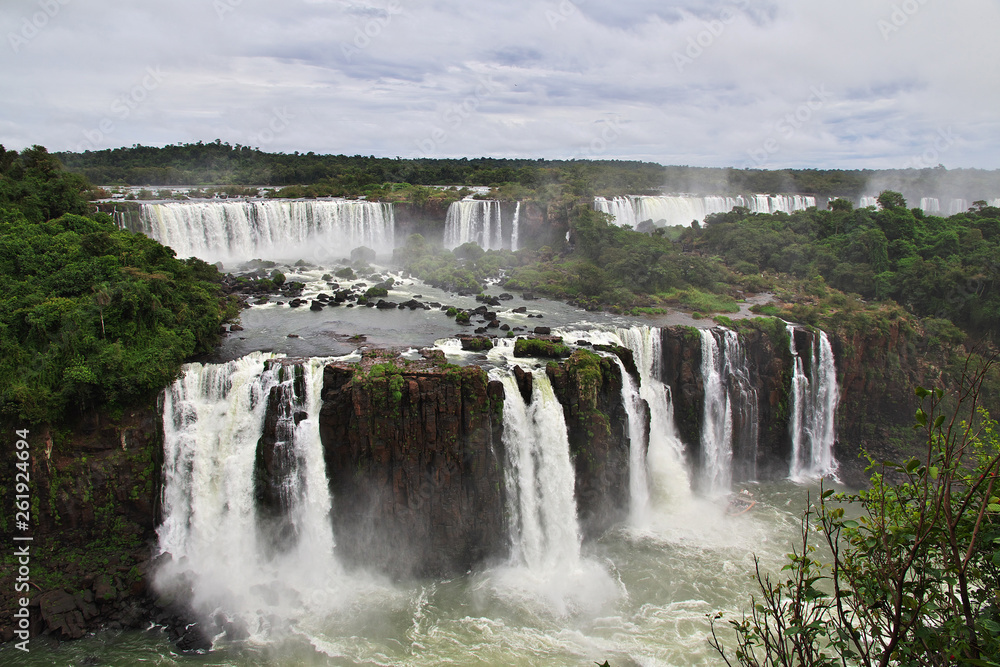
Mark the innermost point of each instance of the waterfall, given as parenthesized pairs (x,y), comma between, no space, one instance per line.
(545,532)
(930,205)
(730,423)
(663,465)
(681,210)
(515,231)
(619,208)
(476,221)
(235,231)
(865,202)
(218,537)
(546,565)
(957,206)
(814,397)
(636,411)
(745,407)
(717,421)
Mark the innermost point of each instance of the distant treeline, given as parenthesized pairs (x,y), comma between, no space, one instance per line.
(219,163)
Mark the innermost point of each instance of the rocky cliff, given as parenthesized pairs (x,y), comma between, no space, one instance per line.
(414,456)
(589,387)
(93,497)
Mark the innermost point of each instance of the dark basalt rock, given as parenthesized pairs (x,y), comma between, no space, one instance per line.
(476,343)
(525,382)
(414,460)
(623,353)
(589,389)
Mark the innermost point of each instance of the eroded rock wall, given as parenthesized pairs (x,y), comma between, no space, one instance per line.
(414,458)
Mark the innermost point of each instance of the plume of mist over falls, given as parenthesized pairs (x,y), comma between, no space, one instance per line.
(224,560)
(945,185)
(223,553)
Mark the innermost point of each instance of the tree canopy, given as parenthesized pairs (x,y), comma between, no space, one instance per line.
(91,316)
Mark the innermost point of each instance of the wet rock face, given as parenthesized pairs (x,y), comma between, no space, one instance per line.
(414,454)
(589,388)
(681,373)
(877,372)
(276,468)
(96,487)
(768,367)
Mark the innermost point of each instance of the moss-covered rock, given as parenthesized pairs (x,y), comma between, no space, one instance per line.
(549,348)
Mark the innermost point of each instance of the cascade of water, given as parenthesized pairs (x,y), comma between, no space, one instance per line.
(730,425)
(717,423)
(865,202)
(930,205)
(813,411)
(957,206)
(545,532)
(515,231)
(681,210)
(213,422)
(670,211)
(620,208)
(744,405)
(476,221)
(667,470)
(234,231)
(636,412)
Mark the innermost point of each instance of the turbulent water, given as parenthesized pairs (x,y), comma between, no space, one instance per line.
(237,231)
(219,544)
(657,586)
(641,595)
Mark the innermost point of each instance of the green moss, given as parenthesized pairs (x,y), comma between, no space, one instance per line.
(533,347)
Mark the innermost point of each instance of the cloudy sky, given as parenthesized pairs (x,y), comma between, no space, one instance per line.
(744,83)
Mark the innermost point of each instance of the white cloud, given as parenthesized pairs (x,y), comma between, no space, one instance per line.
(700,83)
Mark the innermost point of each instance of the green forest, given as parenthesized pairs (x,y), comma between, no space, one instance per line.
(97,316)
(90,316)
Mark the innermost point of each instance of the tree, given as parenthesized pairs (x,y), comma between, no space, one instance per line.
(888,199)
(914,579)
